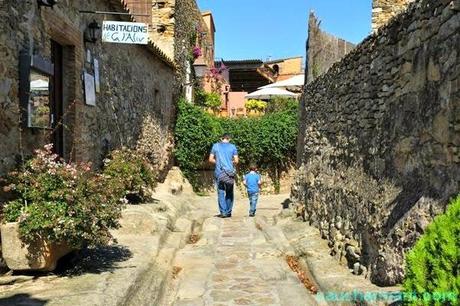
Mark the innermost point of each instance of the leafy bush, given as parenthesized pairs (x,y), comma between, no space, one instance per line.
(433,265)
(278,104)
(269,141)
(59,201)
(195,132)
(207,99)
(131,173)
(255,105)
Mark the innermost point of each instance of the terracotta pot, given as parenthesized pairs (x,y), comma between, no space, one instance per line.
(39,255)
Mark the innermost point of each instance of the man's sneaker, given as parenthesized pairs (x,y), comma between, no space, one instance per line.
(251,214)
(226,216)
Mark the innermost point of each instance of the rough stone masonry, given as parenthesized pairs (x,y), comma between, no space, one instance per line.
(136,95)
(379,153)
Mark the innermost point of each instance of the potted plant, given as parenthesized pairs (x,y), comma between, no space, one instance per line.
(57,207)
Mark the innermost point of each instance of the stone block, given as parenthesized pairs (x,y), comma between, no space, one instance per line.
(37,256)
(138,220)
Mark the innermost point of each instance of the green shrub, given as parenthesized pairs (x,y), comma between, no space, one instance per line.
(279,104)
(62,202)
(195,132)
(208,99)
(433,265)
(131,173)
(270,140)
(255,105)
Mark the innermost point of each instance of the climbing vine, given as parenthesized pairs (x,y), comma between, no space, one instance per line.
(269,141)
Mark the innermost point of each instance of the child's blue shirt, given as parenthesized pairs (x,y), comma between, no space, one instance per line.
(252,182)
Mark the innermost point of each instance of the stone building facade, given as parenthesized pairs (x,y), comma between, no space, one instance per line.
(285,68)
(379,152)
(136,84)
(176,27)
(323,49)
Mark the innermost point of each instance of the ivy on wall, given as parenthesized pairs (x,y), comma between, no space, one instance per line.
(269,141)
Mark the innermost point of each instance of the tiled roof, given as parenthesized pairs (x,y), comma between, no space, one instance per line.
(246,61)
(281,60)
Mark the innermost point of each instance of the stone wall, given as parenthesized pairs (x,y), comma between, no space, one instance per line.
(323,49)
(161,21)
(136,83)
(384,10)
(379,154)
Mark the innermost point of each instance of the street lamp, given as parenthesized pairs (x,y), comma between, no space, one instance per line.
(92,32)
(200,67)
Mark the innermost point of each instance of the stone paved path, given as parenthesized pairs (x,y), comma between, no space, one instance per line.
(234,264)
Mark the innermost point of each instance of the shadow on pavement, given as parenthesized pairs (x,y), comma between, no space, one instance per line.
(286,203)
(95,261)
(22,300)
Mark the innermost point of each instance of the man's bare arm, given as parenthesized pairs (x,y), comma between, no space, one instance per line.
(212,159)
(236,160)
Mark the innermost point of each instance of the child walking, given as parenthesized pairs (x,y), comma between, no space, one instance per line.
(252,181)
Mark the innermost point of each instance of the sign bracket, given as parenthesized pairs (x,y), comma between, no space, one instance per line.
(111,13)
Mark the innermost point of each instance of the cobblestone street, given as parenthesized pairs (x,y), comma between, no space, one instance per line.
(233,263)
(176,252)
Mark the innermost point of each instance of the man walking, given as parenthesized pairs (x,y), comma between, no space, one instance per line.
(224,155)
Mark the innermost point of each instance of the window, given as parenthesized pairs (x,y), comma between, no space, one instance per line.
(38,108)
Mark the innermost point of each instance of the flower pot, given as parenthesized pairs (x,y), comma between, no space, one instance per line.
(39,255)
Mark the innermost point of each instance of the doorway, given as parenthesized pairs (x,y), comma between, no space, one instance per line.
(57,123)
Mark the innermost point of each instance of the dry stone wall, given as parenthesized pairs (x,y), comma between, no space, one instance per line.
(384,10)
(323,49)
(379,155)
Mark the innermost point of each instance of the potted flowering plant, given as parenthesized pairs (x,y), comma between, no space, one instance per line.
(58,207)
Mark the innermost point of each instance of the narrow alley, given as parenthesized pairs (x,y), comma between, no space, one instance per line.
(233,263)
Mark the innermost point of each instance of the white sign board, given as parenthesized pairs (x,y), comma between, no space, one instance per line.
(97,81)
(125,32)
(90,93)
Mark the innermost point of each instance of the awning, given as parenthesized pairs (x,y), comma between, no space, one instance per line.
(268,93)
(296,82)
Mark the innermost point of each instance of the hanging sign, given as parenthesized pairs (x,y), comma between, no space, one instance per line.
(125,32)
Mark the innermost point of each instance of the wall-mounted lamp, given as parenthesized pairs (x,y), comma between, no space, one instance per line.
(48,3)
(200,67)
(92,32)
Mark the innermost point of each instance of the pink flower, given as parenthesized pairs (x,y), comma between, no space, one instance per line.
(223,67)
(196,52)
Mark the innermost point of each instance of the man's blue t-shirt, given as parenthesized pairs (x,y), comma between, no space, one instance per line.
(224,152)
(252,182)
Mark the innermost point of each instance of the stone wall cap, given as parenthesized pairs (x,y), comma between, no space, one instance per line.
(371,41)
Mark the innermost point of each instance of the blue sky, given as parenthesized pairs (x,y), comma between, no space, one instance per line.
(257,29)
